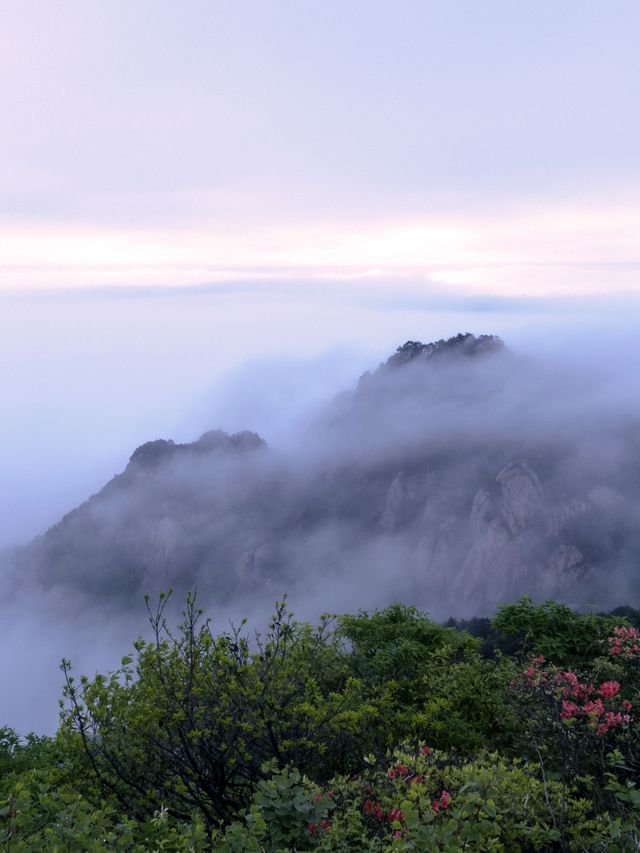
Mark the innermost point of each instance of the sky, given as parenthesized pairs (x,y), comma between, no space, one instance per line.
(192,191)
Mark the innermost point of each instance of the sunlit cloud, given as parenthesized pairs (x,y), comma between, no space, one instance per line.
(537,252)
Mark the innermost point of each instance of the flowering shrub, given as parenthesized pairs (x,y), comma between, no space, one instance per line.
(488,803)
(624,642)
(573,722)
(598,709)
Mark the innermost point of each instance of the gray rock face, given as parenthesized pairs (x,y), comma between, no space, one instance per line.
(508,543)
(565,567)
(402,499)
(521,495)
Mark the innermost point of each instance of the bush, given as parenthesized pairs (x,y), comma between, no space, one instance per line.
(426,681)
(289,742)
(194,720)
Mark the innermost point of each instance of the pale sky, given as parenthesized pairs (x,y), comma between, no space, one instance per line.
(155,142)
(188,186)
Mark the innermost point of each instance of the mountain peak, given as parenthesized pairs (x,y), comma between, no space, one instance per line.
(153,453)
(462,344)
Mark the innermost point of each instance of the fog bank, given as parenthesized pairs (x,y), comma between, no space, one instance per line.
(89,378)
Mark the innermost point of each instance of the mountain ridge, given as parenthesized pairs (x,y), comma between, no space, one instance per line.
(437,477)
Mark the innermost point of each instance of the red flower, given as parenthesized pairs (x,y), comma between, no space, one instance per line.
(373,808)
(425,750)
(442,802)
(396,814)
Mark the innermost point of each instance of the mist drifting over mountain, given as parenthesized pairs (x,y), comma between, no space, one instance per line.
(455,476)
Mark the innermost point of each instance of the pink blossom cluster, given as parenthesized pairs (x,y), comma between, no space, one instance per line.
(581,700)
(595,712)
(312,828)
(534,674)
(403,772)
(609,689)
(374,808)
(396,814)
(625,642)
(400,770)
(442,802)
(572,686)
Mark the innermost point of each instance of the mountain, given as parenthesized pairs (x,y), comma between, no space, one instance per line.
(455,476)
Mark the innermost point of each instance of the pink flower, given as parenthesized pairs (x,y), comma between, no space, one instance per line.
(626,633)
(312,829)
(325,824)
(445,799)
(396,814)
(425,750)
(595,708)
(572,686)
(608,689)
(627,705)
(569,709)
(624,641)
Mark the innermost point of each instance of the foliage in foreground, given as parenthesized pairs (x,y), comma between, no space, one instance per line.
(369,732)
